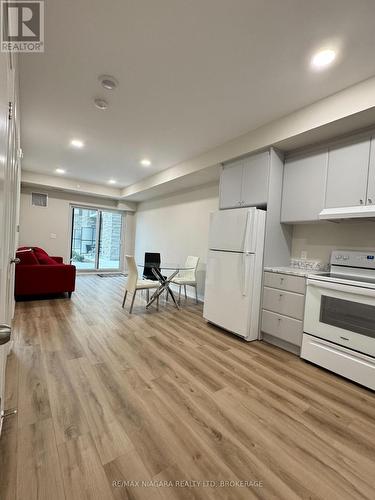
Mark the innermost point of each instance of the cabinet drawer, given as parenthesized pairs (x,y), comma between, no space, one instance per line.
(282,327)
(282,302)
(285,282)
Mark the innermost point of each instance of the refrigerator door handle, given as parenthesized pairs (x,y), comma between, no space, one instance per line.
(246,252)
(245,273)
(247,231)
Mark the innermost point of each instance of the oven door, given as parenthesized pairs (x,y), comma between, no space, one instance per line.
(342,314)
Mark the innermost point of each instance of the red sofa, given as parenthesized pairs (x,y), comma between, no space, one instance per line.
(39,274)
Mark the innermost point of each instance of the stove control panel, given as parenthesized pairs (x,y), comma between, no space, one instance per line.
(352,258)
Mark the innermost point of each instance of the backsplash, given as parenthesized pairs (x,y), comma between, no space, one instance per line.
(319,239)
(309,265)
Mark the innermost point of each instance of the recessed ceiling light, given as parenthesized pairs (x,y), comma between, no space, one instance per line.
(112,181)
(145,162)
(108,82)
(323,58)
(76,143)
(60,171)
(100,103)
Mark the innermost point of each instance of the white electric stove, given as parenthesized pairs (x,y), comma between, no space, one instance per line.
(339,323)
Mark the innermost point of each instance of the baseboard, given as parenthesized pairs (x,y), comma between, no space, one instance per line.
(189,292)
(294,349)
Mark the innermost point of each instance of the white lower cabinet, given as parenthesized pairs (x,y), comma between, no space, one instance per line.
(286,282)
(282,327)
(282,302)
(282,309)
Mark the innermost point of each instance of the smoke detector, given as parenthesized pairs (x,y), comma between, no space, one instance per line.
(100,103)
(108,82)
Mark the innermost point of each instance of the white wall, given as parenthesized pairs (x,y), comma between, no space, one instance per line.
(321,238)
(177,226)
(37,223)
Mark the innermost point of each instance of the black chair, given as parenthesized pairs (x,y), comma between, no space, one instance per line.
(151,260)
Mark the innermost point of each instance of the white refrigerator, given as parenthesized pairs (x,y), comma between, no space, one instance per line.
(234,270)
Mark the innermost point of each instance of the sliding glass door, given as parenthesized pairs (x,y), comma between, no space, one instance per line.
(109,240)
(84,236)
(96,239)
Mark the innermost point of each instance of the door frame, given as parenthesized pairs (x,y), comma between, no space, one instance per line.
(10,215)
(12,191)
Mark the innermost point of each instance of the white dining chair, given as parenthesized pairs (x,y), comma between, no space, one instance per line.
(188,277)
(134,284)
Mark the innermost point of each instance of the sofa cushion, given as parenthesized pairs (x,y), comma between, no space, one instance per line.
(44,280)
(27,257)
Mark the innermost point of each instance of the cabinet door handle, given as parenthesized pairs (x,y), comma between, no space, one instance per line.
(361,201)
(370,201)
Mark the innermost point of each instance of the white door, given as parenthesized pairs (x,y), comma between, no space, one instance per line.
(347,175)
(233,230)
(231,185)
(255,180)
(228,292)
(371,175)
(304,187)
(9,203)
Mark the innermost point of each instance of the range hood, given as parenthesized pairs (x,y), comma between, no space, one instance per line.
(345,214)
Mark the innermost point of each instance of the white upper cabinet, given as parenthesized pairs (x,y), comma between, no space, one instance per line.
(255,180)
(231,185)
(244,182)
(371,175)
(348,167)
(304,187)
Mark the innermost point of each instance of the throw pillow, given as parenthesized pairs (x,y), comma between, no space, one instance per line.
(46,260)
(27,257)
(39,251)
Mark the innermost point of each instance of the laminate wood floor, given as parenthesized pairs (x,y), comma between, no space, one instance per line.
(112,406)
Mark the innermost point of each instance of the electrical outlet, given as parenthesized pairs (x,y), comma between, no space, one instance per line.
(53,236)
(304,255)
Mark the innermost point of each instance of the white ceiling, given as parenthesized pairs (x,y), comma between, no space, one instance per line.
(193,74)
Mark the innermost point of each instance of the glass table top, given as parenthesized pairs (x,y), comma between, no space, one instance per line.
(171,266)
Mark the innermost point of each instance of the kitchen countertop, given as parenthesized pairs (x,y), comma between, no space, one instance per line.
(296,271)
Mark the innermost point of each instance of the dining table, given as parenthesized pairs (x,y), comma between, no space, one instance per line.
(159,270)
